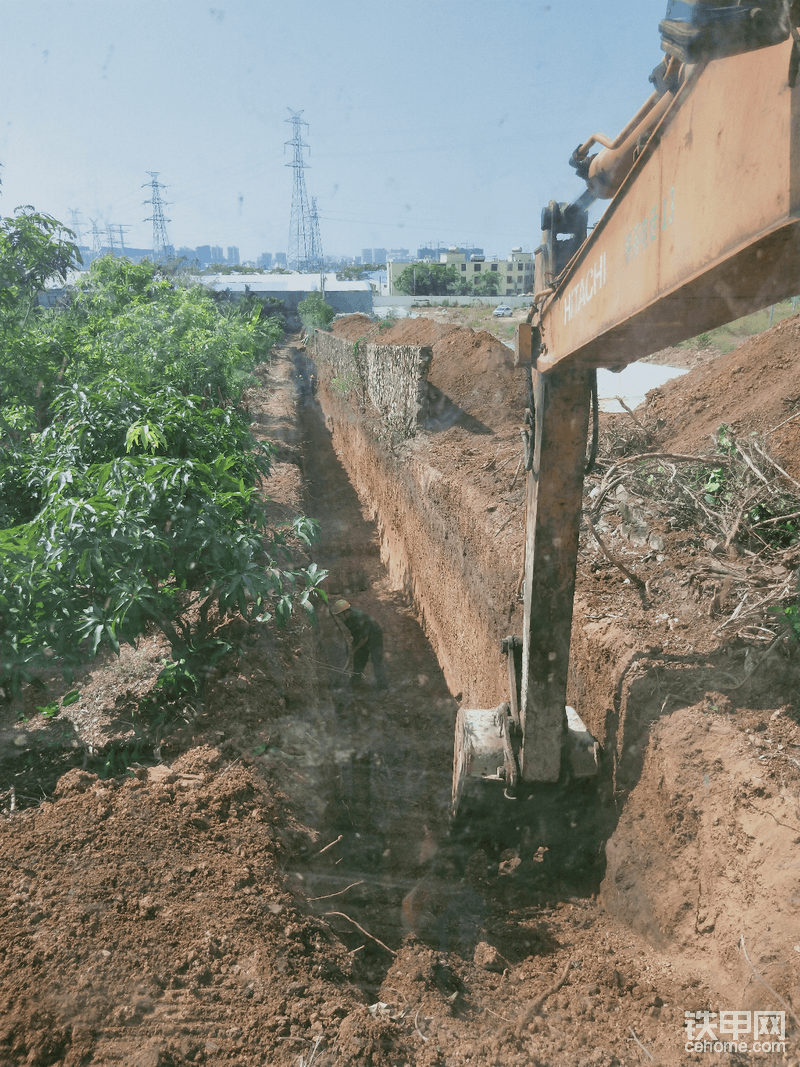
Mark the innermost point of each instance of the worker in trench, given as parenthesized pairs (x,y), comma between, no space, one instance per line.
(367,638)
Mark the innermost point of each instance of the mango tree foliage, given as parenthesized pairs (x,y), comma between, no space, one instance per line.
(34,247)
(129,480)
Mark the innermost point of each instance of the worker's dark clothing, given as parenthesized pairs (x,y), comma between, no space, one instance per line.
(367,644)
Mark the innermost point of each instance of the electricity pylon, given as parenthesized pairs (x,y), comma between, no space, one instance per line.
(305,253)
(121,236)
(316,240)
(77,225)
(162,249)
(97,246)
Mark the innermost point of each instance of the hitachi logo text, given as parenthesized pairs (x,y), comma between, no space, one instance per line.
(583,291)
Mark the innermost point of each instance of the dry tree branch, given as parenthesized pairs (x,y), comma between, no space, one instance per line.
(603,492)
(625,406)
(535,1006)
(641,1046)
(672,457)
(777,996)
(769,459)
(735,615)
(711,515)
(637,581)
(336,842)
(747,502)
(329,895)
(416,1027)
(366,933)
(775,519)
(790,419)
(756,665)
(751,465)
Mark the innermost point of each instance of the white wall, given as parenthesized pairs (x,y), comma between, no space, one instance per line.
(464,301)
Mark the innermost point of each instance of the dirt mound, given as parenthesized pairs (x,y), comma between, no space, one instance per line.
(354,327)
(471,368)
(754,388)
(145,922)
(715,820)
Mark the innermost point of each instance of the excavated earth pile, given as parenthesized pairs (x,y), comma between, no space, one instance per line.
(270,883)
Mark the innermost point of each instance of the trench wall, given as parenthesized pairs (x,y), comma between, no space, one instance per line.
(440,549)
(699,829)
(392,377)
(435,540)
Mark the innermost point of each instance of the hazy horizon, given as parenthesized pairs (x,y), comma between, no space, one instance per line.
(430,121)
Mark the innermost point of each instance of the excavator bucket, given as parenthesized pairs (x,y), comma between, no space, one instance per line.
(484,762)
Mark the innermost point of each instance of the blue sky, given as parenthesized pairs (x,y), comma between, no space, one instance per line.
(429,120)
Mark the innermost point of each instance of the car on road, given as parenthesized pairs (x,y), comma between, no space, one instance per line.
(501,310)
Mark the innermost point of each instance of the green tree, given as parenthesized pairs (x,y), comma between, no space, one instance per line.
(356,273)
(34,247)
(128,474)
(315,313)
(428,279)
(487,284)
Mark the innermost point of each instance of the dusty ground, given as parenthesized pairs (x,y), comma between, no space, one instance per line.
(182,913)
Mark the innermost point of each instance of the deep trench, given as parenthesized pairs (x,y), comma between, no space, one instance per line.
(384,768)
(384,759)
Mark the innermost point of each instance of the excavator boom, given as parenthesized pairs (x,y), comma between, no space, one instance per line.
(704,227)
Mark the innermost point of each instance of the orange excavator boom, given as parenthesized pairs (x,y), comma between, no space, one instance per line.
(703,227)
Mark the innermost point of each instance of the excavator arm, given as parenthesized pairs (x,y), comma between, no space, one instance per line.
(703,227)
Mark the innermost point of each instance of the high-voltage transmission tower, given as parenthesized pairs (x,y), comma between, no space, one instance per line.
(97,246)
(77,223)
(162,249)
(316,240)
(305,246)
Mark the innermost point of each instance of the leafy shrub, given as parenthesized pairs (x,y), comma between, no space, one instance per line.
(128,475)
(314,313)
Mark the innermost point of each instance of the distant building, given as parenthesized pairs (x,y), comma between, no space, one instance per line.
(516,272)
(204,255)
(233,256)
(366,255)
(280,259)
(290,289)
(378,255)
(429,252)
(216,254)
(264,260)
(398,255)
(357,261)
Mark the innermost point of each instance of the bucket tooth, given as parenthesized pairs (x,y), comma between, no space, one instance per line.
(583,749)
